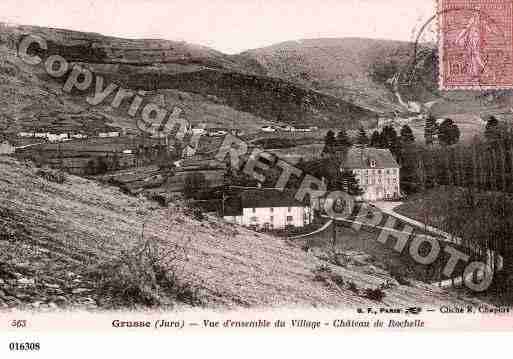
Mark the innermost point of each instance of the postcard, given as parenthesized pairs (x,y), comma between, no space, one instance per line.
(224,167)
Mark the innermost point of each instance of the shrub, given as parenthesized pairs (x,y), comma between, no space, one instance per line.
(323,268)
(375,294)
(338,280)
(352,287)
(159,198)
(195,213)
(51,175)
(398,276)
(322,273)
(143,276)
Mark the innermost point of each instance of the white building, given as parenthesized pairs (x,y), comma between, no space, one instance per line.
(268,129)
(108,134)
(42,135)
(302,129)
(57,137)
(376,171)
(25,134)
(198,131)
(268,209)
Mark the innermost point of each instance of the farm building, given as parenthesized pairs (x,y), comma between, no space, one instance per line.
(268,209)
(108,134)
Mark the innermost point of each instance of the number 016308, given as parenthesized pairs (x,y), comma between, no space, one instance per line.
(24,346)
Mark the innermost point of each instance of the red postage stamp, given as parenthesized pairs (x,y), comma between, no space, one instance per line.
(475,44)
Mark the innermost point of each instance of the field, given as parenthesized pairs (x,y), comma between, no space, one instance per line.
(70,242)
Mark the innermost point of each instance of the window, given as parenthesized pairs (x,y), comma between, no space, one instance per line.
(289,209)
(379,171)
(254,219)
(290,218)
(253,210)
(272,219)
(272,209)
(388,172)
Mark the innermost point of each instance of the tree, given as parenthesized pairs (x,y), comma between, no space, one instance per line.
(376,140)
(389,137)
(194,182)
(362,137)
(346,182)
(329,141)
(115,162)
(430,130)
(492,130)
(448,133)
(342,139)
(97,166)
(407,135)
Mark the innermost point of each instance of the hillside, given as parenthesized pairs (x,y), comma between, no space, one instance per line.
(361,71)
(82,244)
(339,67)
(233,86)
(29,100)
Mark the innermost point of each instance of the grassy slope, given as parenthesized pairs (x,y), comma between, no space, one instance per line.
(61,234)
(23,97)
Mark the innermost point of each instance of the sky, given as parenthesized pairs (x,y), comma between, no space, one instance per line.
(230,26)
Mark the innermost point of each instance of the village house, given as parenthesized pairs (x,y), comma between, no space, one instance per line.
(52,137)
(268,129)
(41,134)
(268,209)
(57,137)
(217,132)
(198,131)
(286,128)
(108,134)
(376,171)
(301,129)
(25,134)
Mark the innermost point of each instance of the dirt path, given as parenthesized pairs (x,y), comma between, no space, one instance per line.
(388,208)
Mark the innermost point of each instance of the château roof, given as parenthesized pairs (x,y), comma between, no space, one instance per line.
(362,158)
